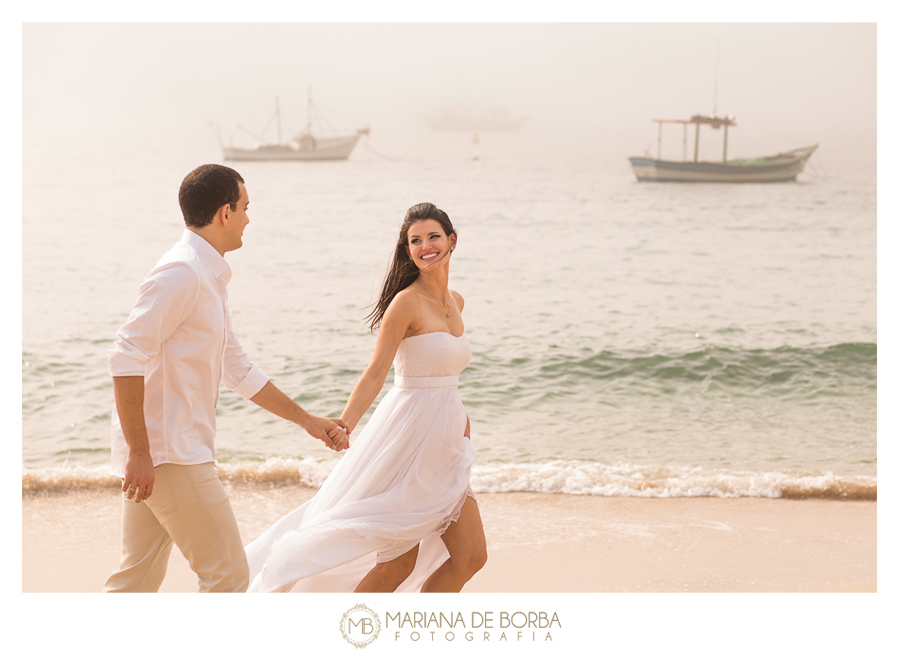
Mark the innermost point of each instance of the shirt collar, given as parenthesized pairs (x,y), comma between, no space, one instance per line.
(208,254)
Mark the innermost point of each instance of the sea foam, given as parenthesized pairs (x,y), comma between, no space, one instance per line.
(550,477)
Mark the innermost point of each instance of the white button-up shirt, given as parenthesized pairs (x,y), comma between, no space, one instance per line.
(179,339)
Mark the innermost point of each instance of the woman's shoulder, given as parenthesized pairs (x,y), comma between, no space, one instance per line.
(459,299)
(406,296)
(405,302)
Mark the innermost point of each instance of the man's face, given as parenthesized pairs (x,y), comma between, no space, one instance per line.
(237,221)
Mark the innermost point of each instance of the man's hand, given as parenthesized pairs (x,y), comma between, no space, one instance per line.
(332,432)
(137,485)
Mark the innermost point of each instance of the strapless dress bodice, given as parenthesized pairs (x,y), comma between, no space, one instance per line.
(435,354)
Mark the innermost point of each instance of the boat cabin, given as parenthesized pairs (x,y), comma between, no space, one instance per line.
(697,120)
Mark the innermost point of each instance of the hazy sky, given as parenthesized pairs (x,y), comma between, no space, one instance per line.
(789,83)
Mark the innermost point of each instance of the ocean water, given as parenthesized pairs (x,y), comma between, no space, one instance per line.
(629,339)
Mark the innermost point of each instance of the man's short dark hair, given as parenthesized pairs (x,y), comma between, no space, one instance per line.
(205,190)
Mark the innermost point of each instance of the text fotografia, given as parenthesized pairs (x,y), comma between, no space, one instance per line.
(474,627)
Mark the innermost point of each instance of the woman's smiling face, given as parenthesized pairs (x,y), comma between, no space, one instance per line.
(427,243)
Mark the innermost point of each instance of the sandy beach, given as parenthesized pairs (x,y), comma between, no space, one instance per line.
(537,542)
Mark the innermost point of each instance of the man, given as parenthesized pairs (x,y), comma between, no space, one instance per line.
(167,363)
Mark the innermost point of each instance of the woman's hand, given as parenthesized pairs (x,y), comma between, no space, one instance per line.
(330,431)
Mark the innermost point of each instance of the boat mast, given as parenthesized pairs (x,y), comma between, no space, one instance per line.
(308,108)
(659,143)
(716,80)
(696,141)
(715,106)
(725,145)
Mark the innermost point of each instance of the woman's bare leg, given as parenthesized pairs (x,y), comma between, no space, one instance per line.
(387,576)
(466,544)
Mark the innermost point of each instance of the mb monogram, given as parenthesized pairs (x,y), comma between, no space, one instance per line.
(360,626)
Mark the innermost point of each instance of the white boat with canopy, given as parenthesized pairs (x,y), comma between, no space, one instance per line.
(783,166)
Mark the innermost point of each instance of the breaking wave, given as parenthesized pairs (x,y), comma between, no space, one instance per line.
(552,477)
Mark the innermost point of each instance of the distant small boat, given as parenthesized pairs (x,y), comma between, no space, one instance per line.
(303,146)
(765,169)
(462,118)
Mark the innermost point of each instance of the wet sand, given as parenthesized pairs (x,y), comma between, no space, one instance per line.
(537,542)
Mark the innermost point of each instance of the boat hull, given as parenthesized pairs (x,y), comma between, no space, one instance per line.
(327,148)
(772,169)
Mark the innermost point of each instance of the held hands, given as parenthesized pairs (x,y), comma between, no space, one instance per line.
(339,436)
(333,432)
(137,485)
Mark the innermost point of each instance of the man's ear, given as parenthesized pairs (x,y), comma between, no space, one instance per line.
(223,214)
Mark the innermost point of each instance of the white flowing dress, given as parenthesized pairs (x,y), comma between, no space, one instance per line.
(403,480)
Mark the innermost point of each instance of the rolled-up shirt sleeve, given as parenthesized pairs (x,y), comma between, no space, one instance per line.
(239,373)
(164,300)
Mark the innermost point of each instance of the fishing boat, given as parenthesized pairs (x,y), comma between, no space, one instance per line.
(465,119)
(305,145)
(765,169)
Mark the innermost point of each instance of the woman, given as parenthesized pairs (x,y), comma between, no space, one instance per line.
(397,513)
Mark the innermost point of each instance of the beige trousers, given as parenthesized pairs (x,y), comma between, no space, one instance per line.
(188,506)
